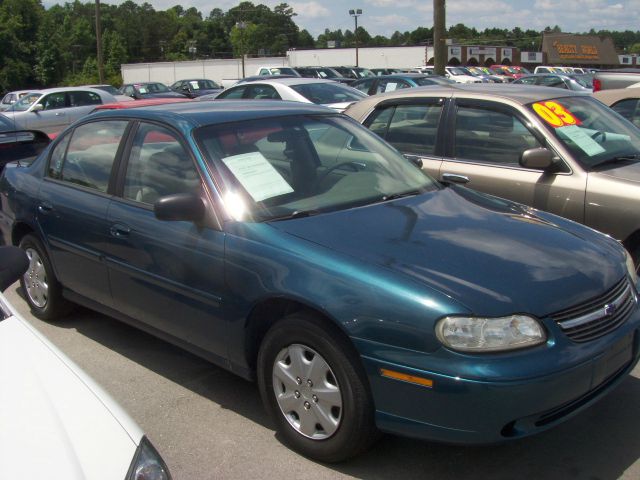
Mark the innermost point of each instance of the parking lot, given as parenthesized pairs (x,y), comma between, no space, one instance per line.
(209,424)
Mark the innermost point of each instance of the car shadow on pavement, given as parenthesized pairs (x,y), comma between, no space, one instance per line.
(600,443)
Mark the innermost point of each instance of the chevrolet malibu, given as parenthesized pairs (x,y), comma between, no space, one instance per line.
(290,245)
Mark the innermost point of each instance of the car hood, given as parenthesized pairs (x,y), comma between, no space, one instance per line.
(55,419)
(493,256)
(629,172)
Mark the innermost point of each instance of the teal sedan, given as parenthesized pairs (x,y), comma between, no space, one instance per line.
(287,243)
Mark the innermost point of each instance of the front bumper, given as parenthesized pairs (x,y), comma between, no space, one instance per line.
(490,410)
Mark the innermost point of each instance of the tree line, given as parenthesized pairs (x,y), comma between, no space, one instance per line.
(57,46)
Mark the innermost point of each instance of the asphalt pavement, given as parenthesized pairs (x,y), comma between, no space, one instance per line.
(210,424)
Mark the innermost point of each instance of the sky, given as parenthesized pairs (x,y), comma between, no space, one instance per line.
(383,17)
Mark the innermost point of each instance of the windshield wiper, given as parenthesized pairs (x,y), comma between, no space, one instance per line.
(295,214)
(634,157)
(394,196)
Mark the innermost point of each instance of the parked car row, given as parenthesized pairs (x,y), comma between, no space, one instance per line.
(249,232)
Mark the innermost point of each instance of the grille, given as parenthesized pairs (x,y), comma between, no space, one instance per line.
(598,316)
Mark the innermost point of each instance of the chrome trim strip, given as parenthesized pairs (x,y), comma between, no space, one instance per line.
(599,313)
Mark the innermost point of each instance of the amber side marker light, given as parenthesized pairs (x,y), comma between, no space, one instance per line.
(423,382)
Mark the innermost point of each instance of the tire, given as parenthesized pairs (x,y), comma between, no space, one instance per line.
(308,372)
(41,288)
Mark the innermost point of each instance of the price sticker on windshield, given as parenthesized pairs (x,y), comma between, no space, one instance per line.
(555,114)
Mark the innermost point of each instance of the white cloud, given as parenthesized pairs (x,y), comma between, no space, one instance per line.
(310,10)
(393,22)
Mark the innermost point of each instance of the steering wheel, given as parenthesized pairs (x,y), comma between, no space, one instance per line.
(355,166)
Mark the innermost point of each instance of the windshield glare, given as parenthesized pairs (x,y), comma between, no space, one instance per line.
(590,130)
(277,167)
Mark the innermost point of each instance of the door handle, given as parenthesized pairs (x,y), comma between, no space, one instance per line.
(45,208)
(455,178)
(58,114)
(118,230)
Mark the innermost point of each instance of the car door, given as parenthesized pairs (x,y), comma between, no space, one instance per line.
(485,142)
(413,127)
(52,118)
(169,275)
(81,102)
(73,202)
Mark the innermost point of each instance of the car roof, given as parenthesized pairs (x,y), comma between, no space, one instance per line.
(522,94)
(221,111)
(613,95)
(293,81)
(70,89)
(145,102)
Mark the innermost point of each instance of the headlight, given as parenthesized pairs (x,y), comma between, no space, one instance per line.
(631,267)
(472,334)
(147,464)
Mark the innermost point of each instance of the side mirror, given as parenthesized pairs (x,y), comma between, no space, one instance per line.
(537,159)
(187,207)
(417,161)
(38,107)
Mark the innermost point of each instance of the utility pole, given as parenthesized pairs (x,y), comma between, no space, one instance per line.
(99,44)
(355,14)
(439,45)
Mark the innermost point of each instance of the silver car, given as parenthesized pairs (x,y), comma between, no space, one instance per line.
(556,150)
(52,109)
(308,90)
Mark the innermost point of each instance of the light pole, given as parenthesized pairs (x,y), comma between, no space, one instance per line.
(242,26)
(355,14)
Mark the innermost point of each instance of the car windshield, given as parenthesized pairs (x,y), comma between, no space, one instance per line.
(329,92)
(327,73)
(25,102)
(283,71)
(107,88)
(203,84)
(456,71)
(364,72)
(152,88)
(594,133)
(584,80)
(285,167)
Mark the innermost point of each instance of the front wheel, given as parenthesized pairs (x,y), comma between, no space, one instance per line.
(313,386)
(42,290)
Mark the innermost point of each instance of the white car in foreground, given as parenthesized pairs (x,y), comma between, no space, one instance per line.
(55,421)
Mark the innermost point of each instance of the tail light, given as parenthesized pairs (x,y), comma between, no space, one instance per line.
(597,85)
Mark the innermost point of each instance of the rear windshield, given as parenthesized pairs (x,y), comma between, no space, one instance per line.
(326,93)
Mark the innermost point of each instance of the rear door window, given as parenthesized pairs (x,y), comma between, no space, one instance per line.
(491,135)
(411,128)
(629,109)
(158,166)
(90,155)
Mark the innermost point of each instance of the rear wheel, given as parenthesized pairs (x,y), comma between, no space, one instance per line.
(313,386)
(42,290)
